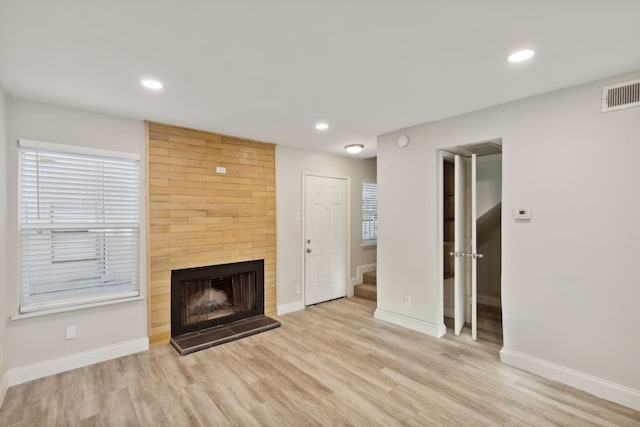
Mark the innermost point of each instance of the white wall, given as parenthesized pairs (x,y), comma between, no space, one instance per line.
(3,244)
(290,163)
(489,194)
(570,276)
(41,339)
(489,182)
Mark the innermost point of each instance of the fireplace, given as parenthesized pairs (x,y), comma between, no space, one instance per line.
(215,304)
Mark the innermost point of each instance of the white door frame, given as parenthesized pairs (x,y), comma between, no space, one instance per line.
(303,246)
(441,155)
(463,271)
(474,246)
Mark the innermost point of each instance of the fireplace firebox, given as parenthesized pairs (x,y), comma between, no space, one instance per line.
(215,304)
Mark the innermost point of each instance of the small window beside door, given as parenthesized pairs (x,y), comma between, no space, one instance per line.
(369,213)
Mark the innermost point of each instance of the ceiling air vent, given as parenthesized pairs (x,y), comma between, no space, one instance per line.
(621,95)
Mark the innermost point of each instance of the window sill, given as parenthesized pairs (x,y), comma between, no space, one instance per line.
(39,313)
(371,245)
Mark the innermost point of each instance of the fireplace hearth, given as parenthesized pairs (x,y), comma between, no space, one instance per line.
(217,304)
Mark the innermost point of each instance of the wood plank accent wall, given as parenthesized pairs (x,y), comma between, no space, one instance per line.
(198,217)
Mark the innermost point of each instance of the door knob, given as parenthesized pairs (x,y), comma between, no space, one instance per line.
(452,254)
(309,250)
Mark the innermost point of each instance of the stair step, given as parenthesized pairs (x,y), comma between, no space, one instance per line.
(369,278)
(366,291)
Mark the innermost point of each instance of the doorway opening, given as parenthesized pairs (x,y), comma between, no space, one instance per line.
(470,217)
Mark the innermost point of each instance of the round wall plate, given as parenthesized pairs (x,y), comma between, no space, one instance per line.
(402,141)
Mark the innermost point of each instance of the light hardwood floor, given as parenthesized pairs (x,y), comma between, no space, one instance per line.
(329,365)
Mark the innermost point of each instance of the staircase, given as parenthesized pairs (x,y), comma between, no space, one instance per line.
(367,289)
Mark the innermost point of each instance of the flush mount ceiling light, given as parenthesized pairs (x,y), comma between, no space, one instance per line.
(521,55)
(151,84)
(322,126)
(354,148)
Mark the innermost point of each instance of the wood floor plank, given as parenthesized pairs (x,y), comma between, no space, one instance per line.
(329,365)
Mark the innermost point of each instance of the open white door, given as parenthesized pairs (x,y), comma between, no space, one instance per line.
(325,238)
(465,194)
(461,218)
(474,255)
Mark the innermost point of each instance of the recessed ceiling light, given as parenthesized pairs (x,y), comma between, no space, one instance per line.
(322,126)
(521,55)
(354,148)
(151,84)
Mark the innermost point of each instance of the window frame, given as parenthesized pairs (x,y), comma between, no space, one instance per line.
(130,230)
(368,242)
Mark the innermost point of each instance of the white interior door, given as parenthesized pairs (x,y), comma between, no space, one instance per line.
(325,234)
(465,287)
(474,255)
(461,239)
(466,258)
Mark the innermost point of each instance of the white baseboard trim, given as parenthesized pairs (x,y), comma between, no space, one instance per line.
(290,308)
(605,389)
(78,360)
(410,323)
(4,385)
(489,300)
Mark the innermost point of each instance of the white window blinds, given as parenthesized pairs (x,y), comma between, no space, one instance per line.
(79,225)
(369,212)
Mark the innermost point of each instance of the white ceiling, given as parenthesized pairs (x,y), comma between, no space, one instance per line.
(271,69)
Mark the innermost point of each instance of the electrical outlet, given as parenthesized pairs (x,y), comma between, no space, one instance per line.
(71,333)
(298,289)
(407,299)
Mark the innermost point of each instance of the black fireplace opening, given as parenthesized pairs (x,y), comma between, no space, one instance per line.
(204,297)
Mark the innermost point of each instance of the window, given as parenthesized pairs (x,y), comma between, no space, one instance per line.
(369,212)
(79,225)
